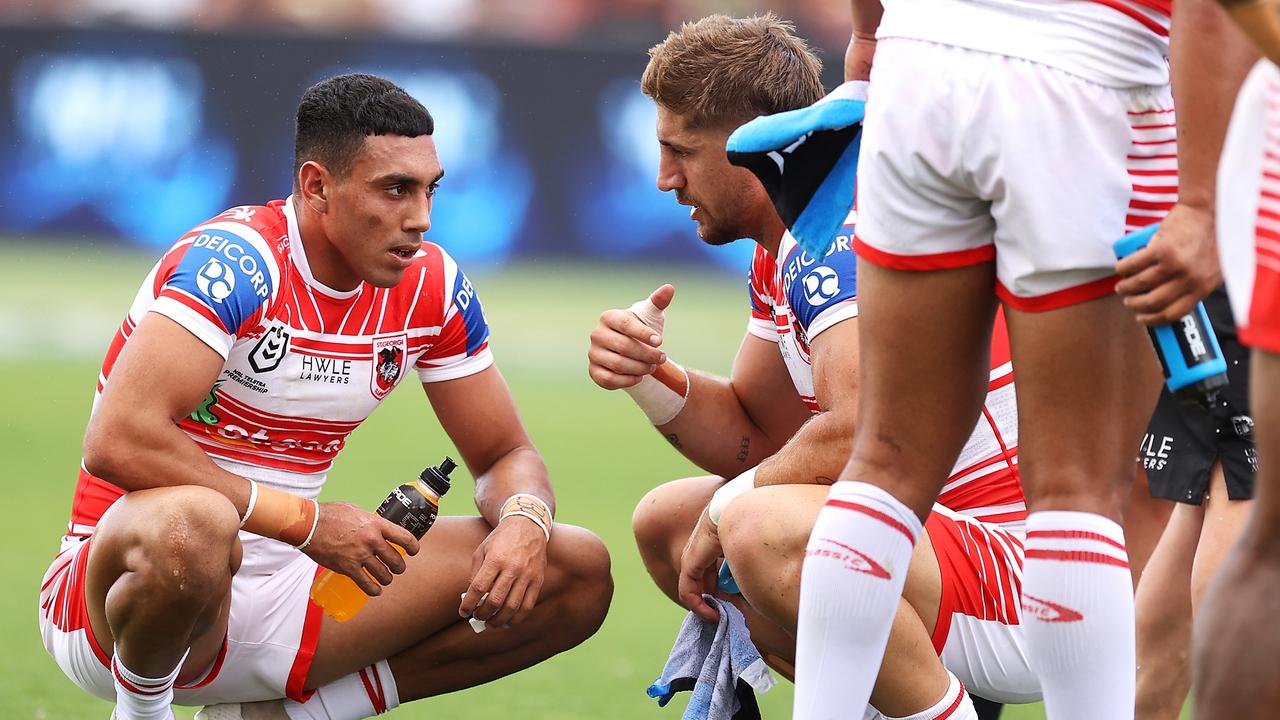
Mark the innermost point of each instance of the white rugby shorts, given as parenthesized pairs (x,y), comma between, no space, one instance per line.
(271,635)
(1249,209)
(979,633)
(969,157)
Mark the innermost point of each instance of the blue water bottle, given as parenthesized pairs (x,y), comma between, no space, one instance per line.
(1194,368)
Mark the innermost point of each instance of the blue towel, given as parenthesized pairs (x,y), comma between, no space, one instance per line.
(807,160)
(718,662)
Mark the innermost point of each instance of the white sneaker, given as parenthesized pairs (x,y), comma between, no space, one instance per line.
(265,710)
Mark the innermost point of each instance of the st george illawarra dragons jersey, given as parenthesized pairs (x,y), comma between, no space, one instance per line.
(305,364)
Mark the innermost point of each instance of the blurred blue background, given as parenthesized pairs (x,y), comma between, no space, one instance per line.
(130,122)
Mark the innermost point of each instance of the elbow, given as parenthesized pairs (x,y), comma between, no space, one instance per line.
(105,451)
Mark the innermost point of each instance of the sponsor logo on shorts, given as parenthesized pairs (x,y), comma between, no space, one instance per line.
(1046,611)
(853,560)
(1156,452)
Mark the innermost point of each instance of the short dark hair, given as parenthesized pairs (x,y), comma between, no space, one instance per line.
(722,70)
(337,114)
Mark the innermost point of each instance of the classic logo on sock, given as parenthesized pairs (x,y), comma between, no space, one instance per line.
(854,560)
(1046,611)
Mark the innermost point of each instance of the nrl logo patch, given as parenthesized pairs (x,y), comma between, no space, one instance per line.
(270,350)
(389,354)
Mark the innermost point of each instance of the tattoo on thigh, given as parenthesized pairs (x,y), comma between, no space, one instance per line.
(744,449)
(674,439)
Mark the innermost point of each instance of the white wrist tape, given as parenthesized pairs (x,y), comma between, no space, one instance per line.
(315,522)
(528,506)
(663,394)
(253,500)
(741,485)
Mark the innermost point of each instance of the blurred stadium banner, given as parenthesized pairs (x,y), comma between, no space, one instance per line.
(134,136)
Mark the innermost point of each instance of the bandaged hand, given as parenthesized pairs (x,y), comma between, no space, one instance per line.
(624,354)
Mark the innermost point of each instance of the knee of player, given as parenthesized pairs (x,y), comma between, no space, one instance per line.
(584,560)
(652,523)
(188,538)
(750,525)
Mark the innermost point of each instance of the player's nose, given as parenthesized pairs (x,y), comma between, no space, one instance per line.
(419,218)
(669,176)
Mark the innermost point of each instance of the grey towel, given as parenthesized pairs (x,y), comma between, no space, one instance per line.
(718,662)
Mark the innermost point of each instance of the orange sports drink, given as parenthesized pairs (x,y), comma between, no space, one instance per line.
(413,506)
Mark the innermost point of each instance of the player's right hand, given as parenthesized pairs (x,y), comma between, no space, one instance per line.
(357,543)
(624,343)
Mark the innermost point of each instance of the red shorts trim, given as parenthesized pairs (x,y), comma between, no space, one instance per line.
(935,261)
(1058,299)
(295,686)
(63,602)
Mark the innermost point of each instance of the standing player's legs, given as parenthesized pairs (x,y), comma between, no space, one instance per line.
(1144,522)
(924,341)
(1236,645)
(157,588)
(1087,382)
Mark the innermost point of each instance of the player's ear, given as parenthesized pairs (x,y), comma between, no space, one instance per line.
(314,182)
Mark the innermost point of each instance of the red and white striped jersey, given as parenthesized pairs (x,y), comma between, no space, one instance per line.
(795,300)
(305,364)
(1116,43)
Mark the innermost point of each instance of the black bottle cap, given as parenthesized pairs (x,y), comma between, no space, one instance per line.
(437,478)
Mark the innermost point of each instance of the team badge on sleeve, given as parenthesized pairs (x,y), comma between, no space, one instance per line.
(388,363)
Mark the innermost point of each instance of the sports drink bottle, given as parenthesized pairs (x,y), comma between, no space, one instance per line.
(413,506)
(1194,367)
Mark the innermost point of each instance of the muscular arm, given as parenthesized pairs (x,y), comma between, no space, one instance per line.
(480,418)
(133,441)
(817,453)
(730,425)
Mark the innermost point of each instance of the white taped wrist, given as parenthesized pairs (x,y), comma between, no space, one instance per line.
(663,394)
(741,485)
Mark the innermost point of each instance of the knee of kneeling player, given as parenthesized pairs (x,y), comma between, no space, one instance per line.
(588,581)
(754,536)
(653,525)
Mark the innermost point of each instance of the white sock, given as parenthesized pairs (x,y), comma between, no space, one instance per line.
(854,568)
(1077,607)
(954,705)
(371,691)
(142,698)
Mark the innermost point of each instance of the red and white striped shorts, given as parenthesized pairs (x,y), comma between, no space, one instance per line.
(979,630)
(271,635)
(971,157)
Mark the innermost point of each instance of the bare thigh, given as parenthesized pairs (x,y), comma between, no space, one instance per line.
(1087,384)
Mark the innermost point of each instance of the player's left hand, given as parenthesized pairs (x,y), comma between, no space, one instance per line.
(1178,268)
(698,569)
(507,572)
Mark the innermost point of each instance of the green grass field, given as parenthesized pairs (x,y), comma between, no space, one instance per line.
(601,453)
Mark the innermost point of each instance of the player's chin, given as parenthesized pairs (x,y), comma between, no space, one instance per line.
(385,276)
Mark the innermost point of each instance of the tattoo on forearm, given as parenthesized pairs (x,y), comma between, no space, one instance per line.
(744,449)
(674,439)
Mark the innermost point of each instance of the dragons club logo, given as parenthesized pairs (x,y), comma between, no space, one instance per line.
(388,363)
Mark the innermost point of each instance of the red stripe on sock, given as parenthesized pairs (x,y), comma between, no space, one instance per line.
(1074,535)
(955,705)
(869,512)
(377,697)
(1076,556)
(134,689)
